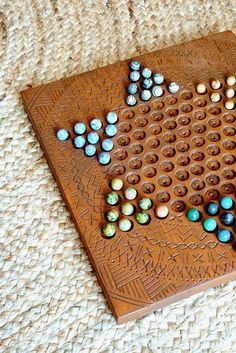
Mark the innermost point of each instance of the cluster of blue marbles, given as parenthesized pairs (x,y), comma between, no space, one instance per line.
(150,85)
(210,225)
(93,137)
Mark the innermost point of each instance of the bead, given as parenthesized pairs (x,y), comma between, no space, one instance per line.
(231,80)
(130,193)
(109,230)
(111,130)
(112,215)
(134,65)
(112,198)
(111,118)
(132,88)
(209,225)
(117,184)
(145,95)
(62,135)
(79,128)
(201,88)
(79,141)
(229,105)
(107,145)
(224,235)
(104,158)
(125,224)
(142,217)
(215,84)
(157,91)
(146,73)
(193,215)
(162,211)
(127,209)
(131,100)
(158,79)
(173,87)
(227,218)
(96,124)
(226,203)
(212,208)
(147,83)
(145,203)
(229,92)
(134,76)
(90,150)
(93,137)
(215,97)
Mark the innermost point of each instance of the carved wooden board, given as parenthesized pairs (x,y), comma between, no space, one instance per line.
(169,259)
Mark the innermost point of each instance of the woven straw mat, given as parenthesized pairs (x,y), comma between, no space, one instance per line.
(50,300)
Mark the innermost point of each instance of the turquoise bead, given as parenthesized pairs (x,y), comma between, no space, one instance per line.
(62,135)
(193,215)
(226,203)
(209,225)
(224,235)
(147,83)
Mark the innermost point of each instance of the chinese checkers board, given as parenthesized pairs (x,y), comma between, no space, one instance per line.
(144,155)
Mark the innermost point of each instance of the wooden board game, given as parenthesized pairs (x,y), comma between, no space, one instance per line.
(175,149)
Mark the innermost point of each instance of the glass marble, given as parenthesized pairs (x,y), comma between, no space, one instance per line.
(112,198)
(145,95)
(147,83)
(131,100)
(134,76)
(111,118)
(95,124)
(212,208)
(173,87)
(117,184)
(125,224)
(90,150)
(79,141)
(132,88)
(134,65)
(227,218)
(193,215)
(157,91)
(142,217)
(130,193)
(109,230)
(146,72)
(79,128)
(209,225)
(224,235)
(127,209)
(93,138)
(111,130)
(62,134)
(112,215)
(158,78)
(107,145)
(162,211)
(145,203)
(226,203)
(104,158)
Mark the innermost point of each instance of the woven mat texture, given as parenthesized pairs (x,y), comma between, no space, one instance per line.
(50,300)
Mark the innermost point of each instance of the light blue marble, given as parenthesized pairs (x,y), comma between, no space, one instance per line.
(79,141)
(79,128)
(111,118)
(111,130)
(107,145)
(134,76)
(145,95)
(146,73)
(104,158)
(131,100)
(173,87)
(90,150)
(62,135)
(158,78)
(134,65)
(95,124)
(132,88)
(93,138)
(147,83)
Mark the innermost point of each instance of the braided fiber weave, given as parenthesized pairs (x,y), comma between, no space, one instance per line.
(50,300)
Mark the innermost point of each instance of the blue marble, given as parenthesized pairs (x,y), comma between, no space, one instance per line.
(134,76)
(104,158)
(193,215)
(173,87)
(226,203)
(227,218)
(145,95)
(209,225)
(96,124)
(79,128)
(111,130)
(147,83)
(212,208)
(132,88)
(93,137)
(146,73)
(62,135)
(90,150)
(79,141)
(107,145)
(157,91)
(111,118)
(224,235)
(158,78)
(134,65)
(131,100)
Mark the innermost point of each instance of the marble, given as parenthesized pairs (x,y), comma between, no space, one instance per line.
(132,88)
(79,128)
(112,198)
(227,218)
(107,145)
(158,78)
(201,88)
(142,217)
(79,141)
(193,215)
(111,118)
(145,95)
(173,87)
(62,135)
(230,80)
(104,158)
(112,215)
(147,83)
(109,230)
(130,193)
(111,130)
(212,208)
(226,203)
(90,150)
(145,203)
(146,72)
(95,124)
(162,211)
(127,209)
(134,76)
(134,65)
(93,138)
(117,184)
(125,224)
(157,91)
(224,235)
(209,225)
(131,100)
